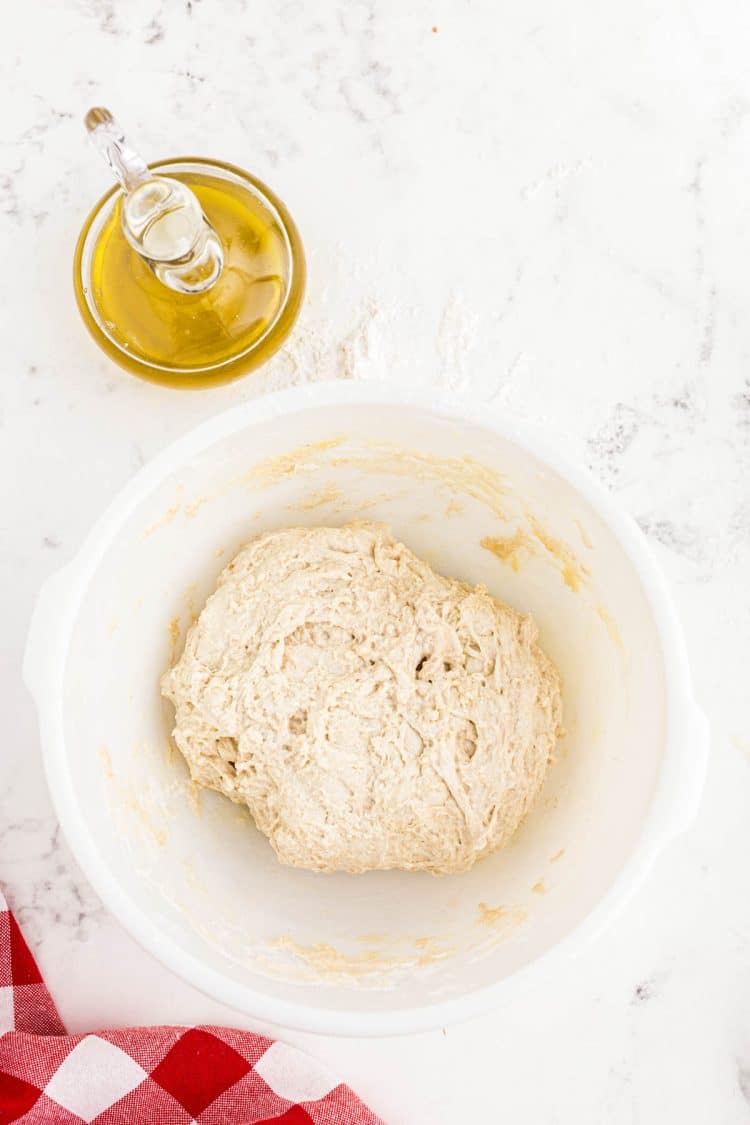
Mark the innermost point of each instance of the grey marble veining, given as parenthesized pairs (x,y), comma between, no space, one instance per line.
(51,899)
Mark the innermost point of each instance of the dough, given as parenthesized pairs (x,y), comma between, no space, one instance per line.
(369,712)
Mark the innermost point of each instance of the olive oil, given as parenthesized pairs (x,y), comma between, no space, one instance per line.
(203,338)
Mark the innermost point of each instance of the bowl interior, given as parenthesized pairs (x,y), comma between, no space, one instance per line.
(477,506)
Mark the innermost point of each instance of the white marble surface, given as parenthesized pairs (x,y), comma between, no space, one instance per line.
(546,205)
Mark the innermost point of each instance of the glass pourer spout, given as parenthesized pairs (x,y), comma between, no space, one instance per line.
(161,217)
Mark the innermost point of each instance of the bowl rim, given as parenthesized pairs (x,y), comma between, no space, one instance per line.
(672,805)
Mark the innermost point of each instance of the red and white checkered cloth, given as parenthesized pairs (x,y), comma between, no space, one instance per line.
(148,1075)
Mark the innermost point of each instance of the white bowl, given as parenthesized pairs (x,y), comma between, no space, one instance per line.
(193,880)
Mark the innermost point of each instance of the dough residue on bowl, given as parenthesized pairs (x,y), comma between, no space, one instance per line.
(369,712)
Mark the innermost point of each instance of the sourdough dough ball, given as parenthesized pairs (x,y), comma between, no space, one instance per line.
(369,712)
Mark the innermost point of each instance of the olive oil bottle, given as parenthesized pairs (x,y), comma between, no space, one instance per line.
(192,272)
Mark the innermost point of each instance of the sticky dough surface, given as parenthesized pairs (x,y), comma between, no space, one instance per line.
(368,711)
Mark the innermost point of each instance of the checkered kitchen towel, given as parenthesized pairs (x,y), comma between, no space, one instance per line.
(148,1075)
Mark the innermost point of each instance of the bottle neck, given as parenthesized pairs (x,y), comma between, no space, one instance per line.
(161,217)
(129,167)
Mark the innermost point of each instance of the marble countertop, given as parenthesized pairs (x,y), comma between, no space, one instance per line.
(543,206)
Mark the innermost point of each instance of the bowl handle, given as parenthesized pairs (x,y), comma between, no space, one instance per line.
(692,777)
(44,641)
